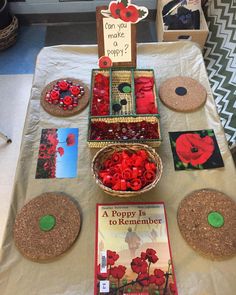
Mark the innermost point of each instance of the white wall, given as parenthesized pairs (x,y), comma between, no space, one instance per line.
(54,6)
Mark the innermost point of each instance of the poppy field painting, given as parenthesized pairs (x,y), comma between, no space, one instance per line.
(195,150)
(58,153)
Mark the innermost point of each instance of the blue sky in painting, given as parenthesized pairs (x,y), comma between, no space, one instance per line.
(66,166)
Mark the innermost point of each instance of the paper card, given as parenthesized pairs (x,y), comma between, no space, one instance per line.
(195,150)
(116,33)
(117,40)
(58,153)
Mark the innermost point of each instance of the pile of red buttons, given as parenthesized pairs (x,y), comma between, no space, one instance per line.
(127,171)
(145,99)
(66,94)
(123,131)
(100,102)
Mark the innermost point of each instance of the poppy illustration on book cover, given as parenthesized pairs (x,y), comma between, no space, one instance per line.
(132,250)
(195,150)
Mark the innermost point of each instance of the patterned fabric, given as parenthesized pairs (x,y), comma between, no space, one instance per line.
(220,59)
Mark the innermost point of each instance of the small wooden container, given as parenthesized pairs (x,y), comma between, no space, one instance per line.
(198,36)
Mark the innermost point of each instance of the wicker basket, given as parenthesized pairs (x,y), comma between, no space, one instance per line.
(92,143)
(105,152)
(8,35)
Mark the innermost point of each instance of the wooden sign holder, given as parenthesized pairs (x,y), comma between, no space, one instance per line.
(100,40)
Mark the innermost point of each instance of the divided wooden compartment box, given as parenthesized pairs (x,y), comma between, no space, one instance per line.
(198,36)
(123,120)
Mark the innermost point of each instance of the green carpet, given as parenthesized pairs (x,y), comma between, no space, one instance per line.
(220,59)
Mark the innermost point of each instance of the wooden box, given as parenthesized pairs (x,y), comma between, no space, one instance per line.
(198,36)
(121,116)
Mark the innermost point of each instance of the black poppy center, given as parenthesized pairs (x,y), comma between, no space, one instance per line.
(194,150)
(181,91)
(128,14)
(65,93)
(118,11)
(105,63)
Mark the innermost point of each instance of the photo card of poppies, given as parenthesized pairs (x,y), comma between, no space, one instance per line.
(58,153)
(195,150)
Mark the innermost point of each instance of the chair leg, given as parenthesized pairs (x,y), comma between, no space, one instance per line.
(8,140)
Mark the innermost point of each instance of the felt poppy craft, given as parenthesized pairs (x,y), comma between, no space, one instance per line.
(127,168)
(105,62)
(195,150)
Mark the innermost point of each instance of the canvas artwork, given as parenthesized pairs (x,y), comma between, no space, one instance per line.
(195,150)
(132,250)
(58,153)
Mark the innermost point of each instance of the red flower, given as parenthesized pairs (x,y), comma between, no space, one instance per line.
(102,276)
(115,9)
(42,155)
(149,176)
(75,90)
(52,138)
(138,265)
(127,173)
(150,166)
(60,151)
(143,279)
(46,165)
(63,85)
(173,288)
(129,14)
(149,255)
(135,184)
(42,147)
(70,140)
(194,149)
(118,271)
(116,157)
(105,62)
(54,95)
(158,278)
(143,154)
(112,256)
(67,100)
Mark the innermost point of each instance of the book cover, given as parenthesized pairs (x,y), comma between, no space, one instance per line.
(133,253)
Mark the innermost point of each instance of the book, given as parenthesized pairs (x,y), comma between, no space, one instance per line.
(133,254)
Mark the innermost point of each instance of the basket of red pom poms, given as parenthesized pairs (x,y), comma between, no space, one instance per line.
(126,170)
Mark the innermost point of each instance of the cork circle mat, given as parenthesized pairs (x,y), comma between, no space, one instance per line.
(55,109)
(207,221)
(46,226)
(182,94)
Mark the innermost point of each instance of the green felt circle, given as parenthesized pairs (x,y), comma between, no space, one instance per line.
(215,219)
(47,222)
(126,89)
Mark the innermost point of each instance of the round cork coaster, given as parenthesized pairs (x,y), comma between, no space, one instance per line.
(207,221)
(46,226)
(57,107)
(182,94)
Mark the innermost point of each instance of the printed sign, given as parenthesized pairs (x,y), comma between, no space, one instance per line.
(117,40)
(116,33)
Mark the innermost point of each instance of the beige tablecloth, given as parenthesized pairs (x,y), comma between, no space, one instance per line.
(73,273)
